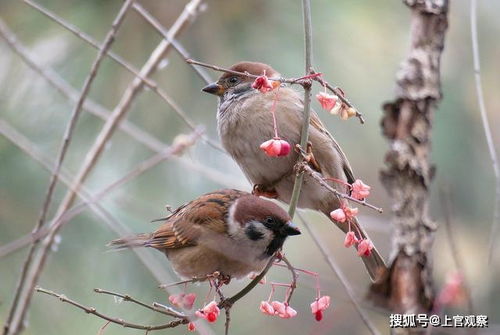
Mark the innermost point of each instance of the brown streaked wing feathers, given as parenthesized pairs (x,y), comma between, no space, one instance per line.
(184,227)
(317,124)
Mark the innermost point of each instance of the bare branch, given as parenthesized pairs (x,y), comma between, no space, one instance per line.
(68,134)
(407,286)
(126,324)
(304,135)
(148,82)
(304,167)
(306,7)
(338,92)
(293,284)
(486,127)
(94,154)
(176,44)
(340,275)
(170,311)
(94,108)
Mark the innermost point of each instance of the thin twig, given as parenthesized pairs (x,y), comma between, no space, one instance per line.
(229,302)
(192,280)
(98,110)
(340,275)
(170,311)
(151,263)
(486,127)
(148,82)
(293,284)
(304,135)
(175,149)
(455,251)
(126,324)
(338,92)
(68,134)
(176,44)
(101,330)
(306,8)
(321,180)
(228,321)
(96,150)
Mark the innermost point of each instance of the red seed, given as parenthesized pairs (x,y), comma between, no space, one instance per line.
(318,315)
(211,317)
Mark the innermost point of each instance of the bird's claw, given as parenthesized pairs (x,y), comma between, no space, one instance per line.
(309,158)
(261,191)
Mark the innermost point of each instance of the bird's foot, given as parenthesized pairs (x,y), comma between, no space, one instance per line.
(309,158)
(261,191)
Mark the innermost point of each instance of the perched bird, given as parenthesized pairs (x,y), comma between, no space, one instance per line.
(227,231)
(244,122)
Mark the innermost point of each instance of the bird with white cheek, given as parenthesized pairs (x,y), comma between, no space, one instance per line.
(228,231)
(244,122)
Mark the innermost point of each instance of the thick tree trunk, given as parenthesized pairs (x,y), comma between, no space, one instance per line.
(407,124)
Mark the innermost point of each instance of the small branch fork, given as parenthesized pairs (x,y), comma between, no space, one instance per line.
(302,81)
(180,318)
(318,177)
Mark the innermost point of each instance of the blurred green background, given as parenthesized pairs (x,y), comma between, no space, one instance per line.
(358,45)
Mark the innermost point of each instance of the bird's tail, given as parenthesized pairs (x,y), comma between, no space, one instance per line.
(374,263)
(141,240)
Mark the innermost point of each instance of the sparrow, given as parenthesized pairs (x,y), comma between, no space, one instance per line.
(231,232)
(244,122)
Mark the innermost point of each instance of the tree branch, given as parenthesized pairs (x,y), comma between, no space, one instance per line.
(407,121)
(93,155)
(126,324)
(68,134)
(486,127)
(340,275)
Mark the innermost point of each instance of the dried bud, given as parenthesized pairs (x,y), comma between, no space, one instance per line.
(346,113)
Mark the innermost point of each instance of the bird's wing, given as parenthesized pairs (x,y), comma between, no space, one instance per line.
(318,125)
(323,135)
(206,213)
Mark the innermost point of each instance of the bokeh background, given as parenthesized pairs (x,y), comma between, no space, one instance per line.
(358,45)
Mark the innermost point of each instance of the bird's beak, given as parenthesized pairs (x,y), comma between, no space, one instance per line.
(214,88)
(291,229)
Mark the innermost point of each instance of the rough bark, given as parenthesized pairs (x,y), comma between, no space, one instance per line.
(407,124)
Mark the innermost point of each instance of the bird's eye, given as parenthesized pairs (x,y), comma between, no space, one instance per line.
(269,221)
(233,80)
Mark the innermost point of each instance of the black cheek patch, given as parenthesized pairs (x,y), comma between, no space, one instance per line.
(275,245)
(253,233)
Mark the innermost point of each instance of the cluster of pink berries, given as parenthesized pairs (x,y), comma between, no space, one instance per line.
(209,312)
(359,191)
(333,104)
(281,309)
